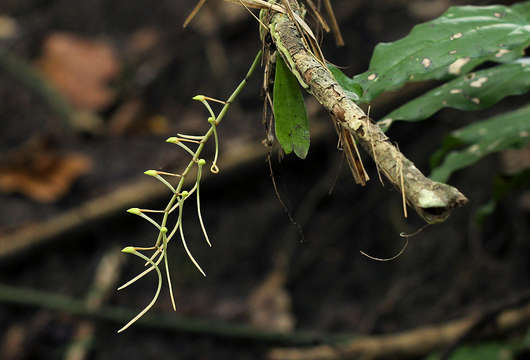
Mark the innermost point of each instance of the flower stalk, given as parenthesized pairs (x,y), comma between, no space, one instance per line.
(179,197)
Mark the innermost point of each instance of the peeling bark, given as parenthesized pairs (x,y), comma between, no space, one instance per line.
(433,201)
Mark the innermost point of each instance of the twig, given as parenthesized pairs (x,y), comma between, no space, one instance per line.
(99,208)
(410,343)
(140,191)
(433,201)
(487,317)
(193,13)
(334,24)
(214,328)
(413,343)
(318,16)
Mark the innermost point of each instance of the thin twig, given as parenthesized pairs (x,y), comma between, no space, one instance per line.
(488,316)
(334,24)
(414,343)
(193,13)
(24,297)
(318,16)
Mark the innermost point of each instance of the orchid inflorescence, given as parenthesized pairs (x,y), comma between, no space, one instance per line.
(179,196)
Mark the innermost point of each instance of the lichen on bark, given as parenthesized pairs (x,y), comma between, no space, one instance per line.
(433,201)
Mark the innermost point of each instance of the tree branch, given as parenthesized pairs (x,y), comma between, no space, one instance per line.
(433,201)
(408,344)
(24,297)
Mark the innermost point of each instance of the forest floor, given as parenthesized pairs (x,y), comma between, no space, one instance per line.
(68,172)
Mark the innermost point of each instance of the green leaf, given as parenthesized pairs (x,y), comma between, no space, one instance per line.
(484,211)
(485,137)
(353,90)
(482,351)
(291,124)
(451,45)
(508,349)
(502,186)
(474,91)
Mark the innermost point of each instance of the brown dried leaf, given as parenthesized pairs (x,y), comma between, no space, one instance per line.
(38,172)
(80,68)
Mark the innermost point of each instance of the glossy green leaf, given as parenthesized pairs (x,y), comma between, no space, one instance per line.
(483,138)
(451,45)
(291,124)
(474,91)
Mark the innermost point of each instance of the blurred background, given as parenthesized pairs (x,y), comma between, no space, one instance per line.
(89,91)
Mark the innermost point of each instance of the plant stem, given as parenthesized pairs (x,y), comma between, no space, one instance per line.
(219,118)
(177,190)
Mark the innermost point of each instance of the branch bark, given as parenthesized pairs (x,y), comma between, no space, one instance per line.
(433,201)
(408,344)
(412,343)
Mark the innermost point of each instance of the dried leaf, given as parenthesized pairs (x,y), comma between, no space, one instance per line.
(38,172)
(80,68)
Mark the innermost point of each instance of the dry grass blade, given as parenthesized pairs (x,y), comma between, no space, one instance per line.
(318,53)
(259,4)
(193,13)
(299,22)
(354,158)
(334,24)
(399,168)
(371,133)
(403,195)
(305,30)
(318,16)
(251,13)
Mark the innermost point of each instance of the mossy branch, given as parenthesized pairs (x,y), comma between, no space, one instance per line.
(433,201)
